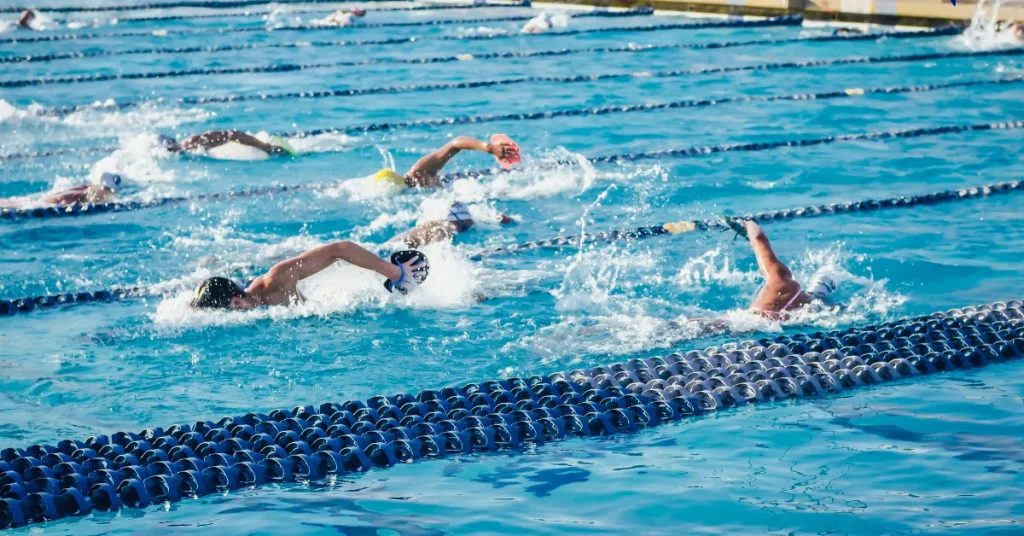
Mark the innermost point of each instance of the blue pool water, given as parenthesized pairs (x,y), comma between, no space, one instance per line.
(940,454)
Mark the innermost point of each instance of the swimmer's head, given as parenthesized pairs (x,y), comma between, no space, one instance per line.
(821,287)
(459,215)
(110,181)
(1018,31)
(168,143)
(218,293)
(359,12)
(390,175)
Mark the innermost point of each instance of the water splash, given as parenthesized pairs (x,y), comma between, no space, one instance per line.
(987,31)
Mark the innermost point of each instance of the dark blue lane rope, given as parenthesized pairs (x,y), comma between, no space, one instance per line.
(159,465)
(437,7)
(317,27)
(29,304)
(632,47)
(116,206)
(216,4)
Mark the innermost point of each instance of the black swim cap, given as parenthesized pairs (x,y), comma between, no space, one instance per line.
(216,293)
(419,275)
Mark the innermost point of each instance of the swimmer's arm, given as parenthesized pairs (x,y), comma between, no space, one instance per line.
(426,233)
(427,168)
(286,274)
(773,268)
(216,138)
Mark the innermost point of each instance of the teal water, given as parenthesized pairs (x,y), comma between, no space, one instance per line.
(940,454)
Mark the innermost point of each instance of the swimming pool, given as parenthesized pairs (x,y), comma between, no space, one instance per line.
(938,453)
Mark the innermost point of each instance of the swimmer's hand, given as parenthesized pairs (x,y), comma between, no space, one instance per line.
(412,272)
(504,149)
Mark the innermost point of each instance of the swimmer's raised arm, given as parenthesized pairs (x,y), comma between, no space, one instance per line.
(772,268)
(424,172)
(286,274)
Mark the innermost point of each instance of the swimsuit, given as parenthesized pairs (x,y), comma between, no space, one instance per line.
(779,315)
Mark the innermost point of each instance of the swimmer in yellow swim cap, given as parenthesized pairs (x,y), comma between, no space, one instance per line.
(424,173)
(276,146)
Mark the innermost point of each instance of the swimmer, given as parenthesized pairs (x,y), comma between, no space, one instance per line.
(218,138)
(1018,31)
(104,190)
(279,286)
(459,221)
(781,293)
(544,22)
(342,17)
(848,31)
(26,19)
(424,174)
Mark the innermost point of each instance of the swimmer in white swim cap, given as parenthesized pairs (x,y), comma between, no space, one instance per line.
(104,190)
(216,138)
(781,293)
(459,220)
(424,173)
(279,286)
(342,17)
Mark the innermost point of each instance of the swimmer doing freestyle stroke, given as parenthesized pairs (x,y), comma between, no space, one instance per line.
(105,189)
(211,140)
(781,295)
(279,286)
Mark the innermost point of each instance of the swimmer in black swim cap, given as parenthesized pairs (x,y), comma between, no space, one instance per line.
(279,286)
(459,220)
(215,138)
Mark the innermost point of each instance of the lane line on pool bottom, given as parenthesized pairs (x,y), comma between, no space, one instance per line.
(29,304)
(158,466)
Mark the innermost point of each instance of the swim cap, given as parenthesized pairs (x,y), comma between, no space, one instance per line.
(167,142)
(459,215)
(821,287)
(278,141)
(216,293)
(419,275)
(390,175)
(111,181)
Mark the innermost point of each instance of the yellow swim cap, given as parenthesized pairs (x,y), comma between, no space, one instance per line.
(391,176)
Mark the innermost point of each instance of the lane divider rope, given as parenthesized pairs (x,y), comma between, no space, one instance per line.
(216,4)
(410,88)
(317,27)
(434,7)
(29,304)
(37,213)
(47,482)
(632,47)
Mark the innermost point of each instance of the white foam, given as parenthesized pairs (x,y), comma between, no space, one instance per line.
(340,289)
(986,32)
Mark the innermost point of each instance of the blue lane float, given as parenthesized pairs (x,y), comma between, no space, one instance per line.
(158,465)
(932,32)
(29,304)
(9,214)
(212,4)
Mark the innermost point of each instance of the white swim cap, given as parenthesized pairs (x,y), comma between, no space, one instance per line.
(112,181)
(821,286)
(459,213)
